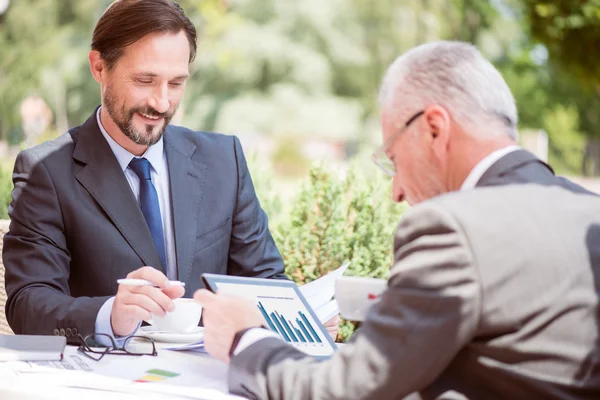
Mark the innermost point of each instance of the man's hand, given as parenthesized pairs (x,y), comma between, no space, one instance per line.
(136,303)
(333,326)
(224,316)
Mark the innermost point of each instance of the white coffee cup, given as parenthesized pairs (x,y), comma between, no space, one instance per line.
(184,319)
(355,295)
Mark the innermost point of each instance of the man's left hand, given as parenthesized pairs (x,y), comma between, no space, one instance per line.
(224,316)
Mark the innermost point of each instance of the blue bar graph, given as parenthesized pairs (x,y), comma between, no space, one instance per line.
(312,330)
(310,339)
(288,329)
(300,335)
(266,316)
(279,327)
(300,332)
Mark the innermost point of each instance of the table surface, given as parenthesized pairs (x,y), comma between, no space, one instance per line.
(209,373)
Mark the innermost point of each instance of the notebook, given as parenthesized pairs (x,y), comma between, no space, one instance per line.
(32,347)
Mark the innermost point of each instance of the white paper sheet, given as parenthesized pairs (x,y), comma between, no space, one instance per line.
(197,377)
(319,292)
(197,346)
(327,311)
(80,384)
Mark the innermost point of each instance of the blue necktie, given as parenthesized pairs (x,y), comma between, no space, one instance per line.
(149,205)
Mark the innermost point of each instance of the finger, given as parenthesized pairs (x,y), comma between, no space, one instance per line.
(335,321)
(174,292)
(205,297)
(332,329)
(157,295)
(145,302)
(150,274)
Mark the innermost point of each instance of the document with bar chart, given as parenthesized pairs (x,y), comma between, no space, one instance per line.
(285,310)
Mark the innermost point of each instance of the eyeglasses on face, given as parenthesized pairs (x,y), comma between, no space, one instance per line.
(380,156)
(92,346)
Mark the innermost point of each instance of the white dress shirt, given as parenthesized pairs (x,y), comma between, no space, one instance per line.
(160,179)
(256,334)
(482,166)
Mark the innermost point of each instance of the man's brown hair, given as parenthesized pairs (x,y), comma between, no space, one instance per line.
(126,21)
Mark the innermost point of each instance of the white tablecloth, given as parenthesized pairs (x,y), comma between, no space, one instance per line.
(194,376)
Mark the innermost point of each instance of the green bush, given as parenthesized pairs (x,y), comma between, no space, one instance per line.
(333,219)
(5,192)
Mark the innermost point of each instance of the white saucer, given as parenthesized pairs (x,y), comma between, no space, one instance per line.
(153,333)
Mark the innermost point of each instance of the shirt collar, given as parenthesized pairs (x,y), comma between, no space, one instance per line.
(483,165)
(154,153)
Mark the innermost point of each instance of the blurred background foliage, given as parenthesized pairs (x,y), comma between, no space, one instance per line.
(335,217)
(289,70)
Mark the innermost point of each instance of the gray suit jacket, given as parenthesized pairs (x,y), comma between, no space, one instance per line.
(494,294)
(76,226)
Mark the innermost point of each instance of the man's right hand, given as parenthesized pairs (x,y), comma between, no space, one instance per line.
(136,303)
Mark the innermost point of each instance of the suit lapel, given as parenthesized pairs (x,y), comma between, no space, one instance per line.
(104,180)
(508,163)
(187,179)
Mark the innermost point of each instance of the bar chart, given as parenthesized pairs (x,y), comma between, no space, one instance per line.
(286,315)
(301,331)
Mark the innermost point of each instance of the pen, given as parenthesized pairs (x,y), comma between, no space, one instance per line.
(143,282)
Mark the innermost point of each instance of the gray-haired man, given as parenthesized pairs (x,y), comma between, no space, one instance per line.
(494,290)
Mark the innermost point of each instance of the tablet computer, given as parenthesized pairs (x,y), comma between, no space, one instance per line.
(284,308)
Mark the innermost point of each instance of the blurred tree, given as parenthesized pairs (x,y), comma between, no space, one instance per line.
(310,68)
(475,17)
(570,30)
(43,52)
(297,68)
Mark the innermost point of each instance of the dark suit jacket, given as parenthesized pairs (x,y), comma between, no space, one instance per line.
(76,226)
(494,294)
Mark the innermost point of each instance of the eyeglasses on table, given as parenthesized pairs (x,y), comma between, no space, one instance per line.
(95,346)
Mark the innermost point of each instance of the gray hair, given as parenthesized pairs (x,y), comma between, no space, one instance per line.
(455,76)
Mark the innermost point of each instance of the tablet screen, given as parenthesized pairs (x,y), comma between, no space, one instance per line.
(285,311)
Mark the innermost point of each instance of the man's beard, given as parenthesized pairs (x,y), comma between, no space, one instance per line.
(124,120)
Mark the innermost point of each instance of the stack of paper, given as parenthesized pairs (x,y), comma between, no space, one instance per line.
(319,293)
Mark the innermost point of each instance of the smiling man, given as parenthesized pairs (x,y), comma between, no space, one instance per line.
(126,194)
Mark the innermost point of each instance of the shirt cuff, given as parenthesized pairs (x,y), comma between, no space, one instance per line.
(104,326)
(253,336)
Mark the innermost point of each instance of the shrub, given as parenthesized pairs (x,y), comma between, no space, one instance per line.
(333,219)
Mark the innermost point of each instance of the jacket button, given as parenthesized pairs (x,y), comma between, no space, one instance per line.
(56,332)
(62,332)
(69,332)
